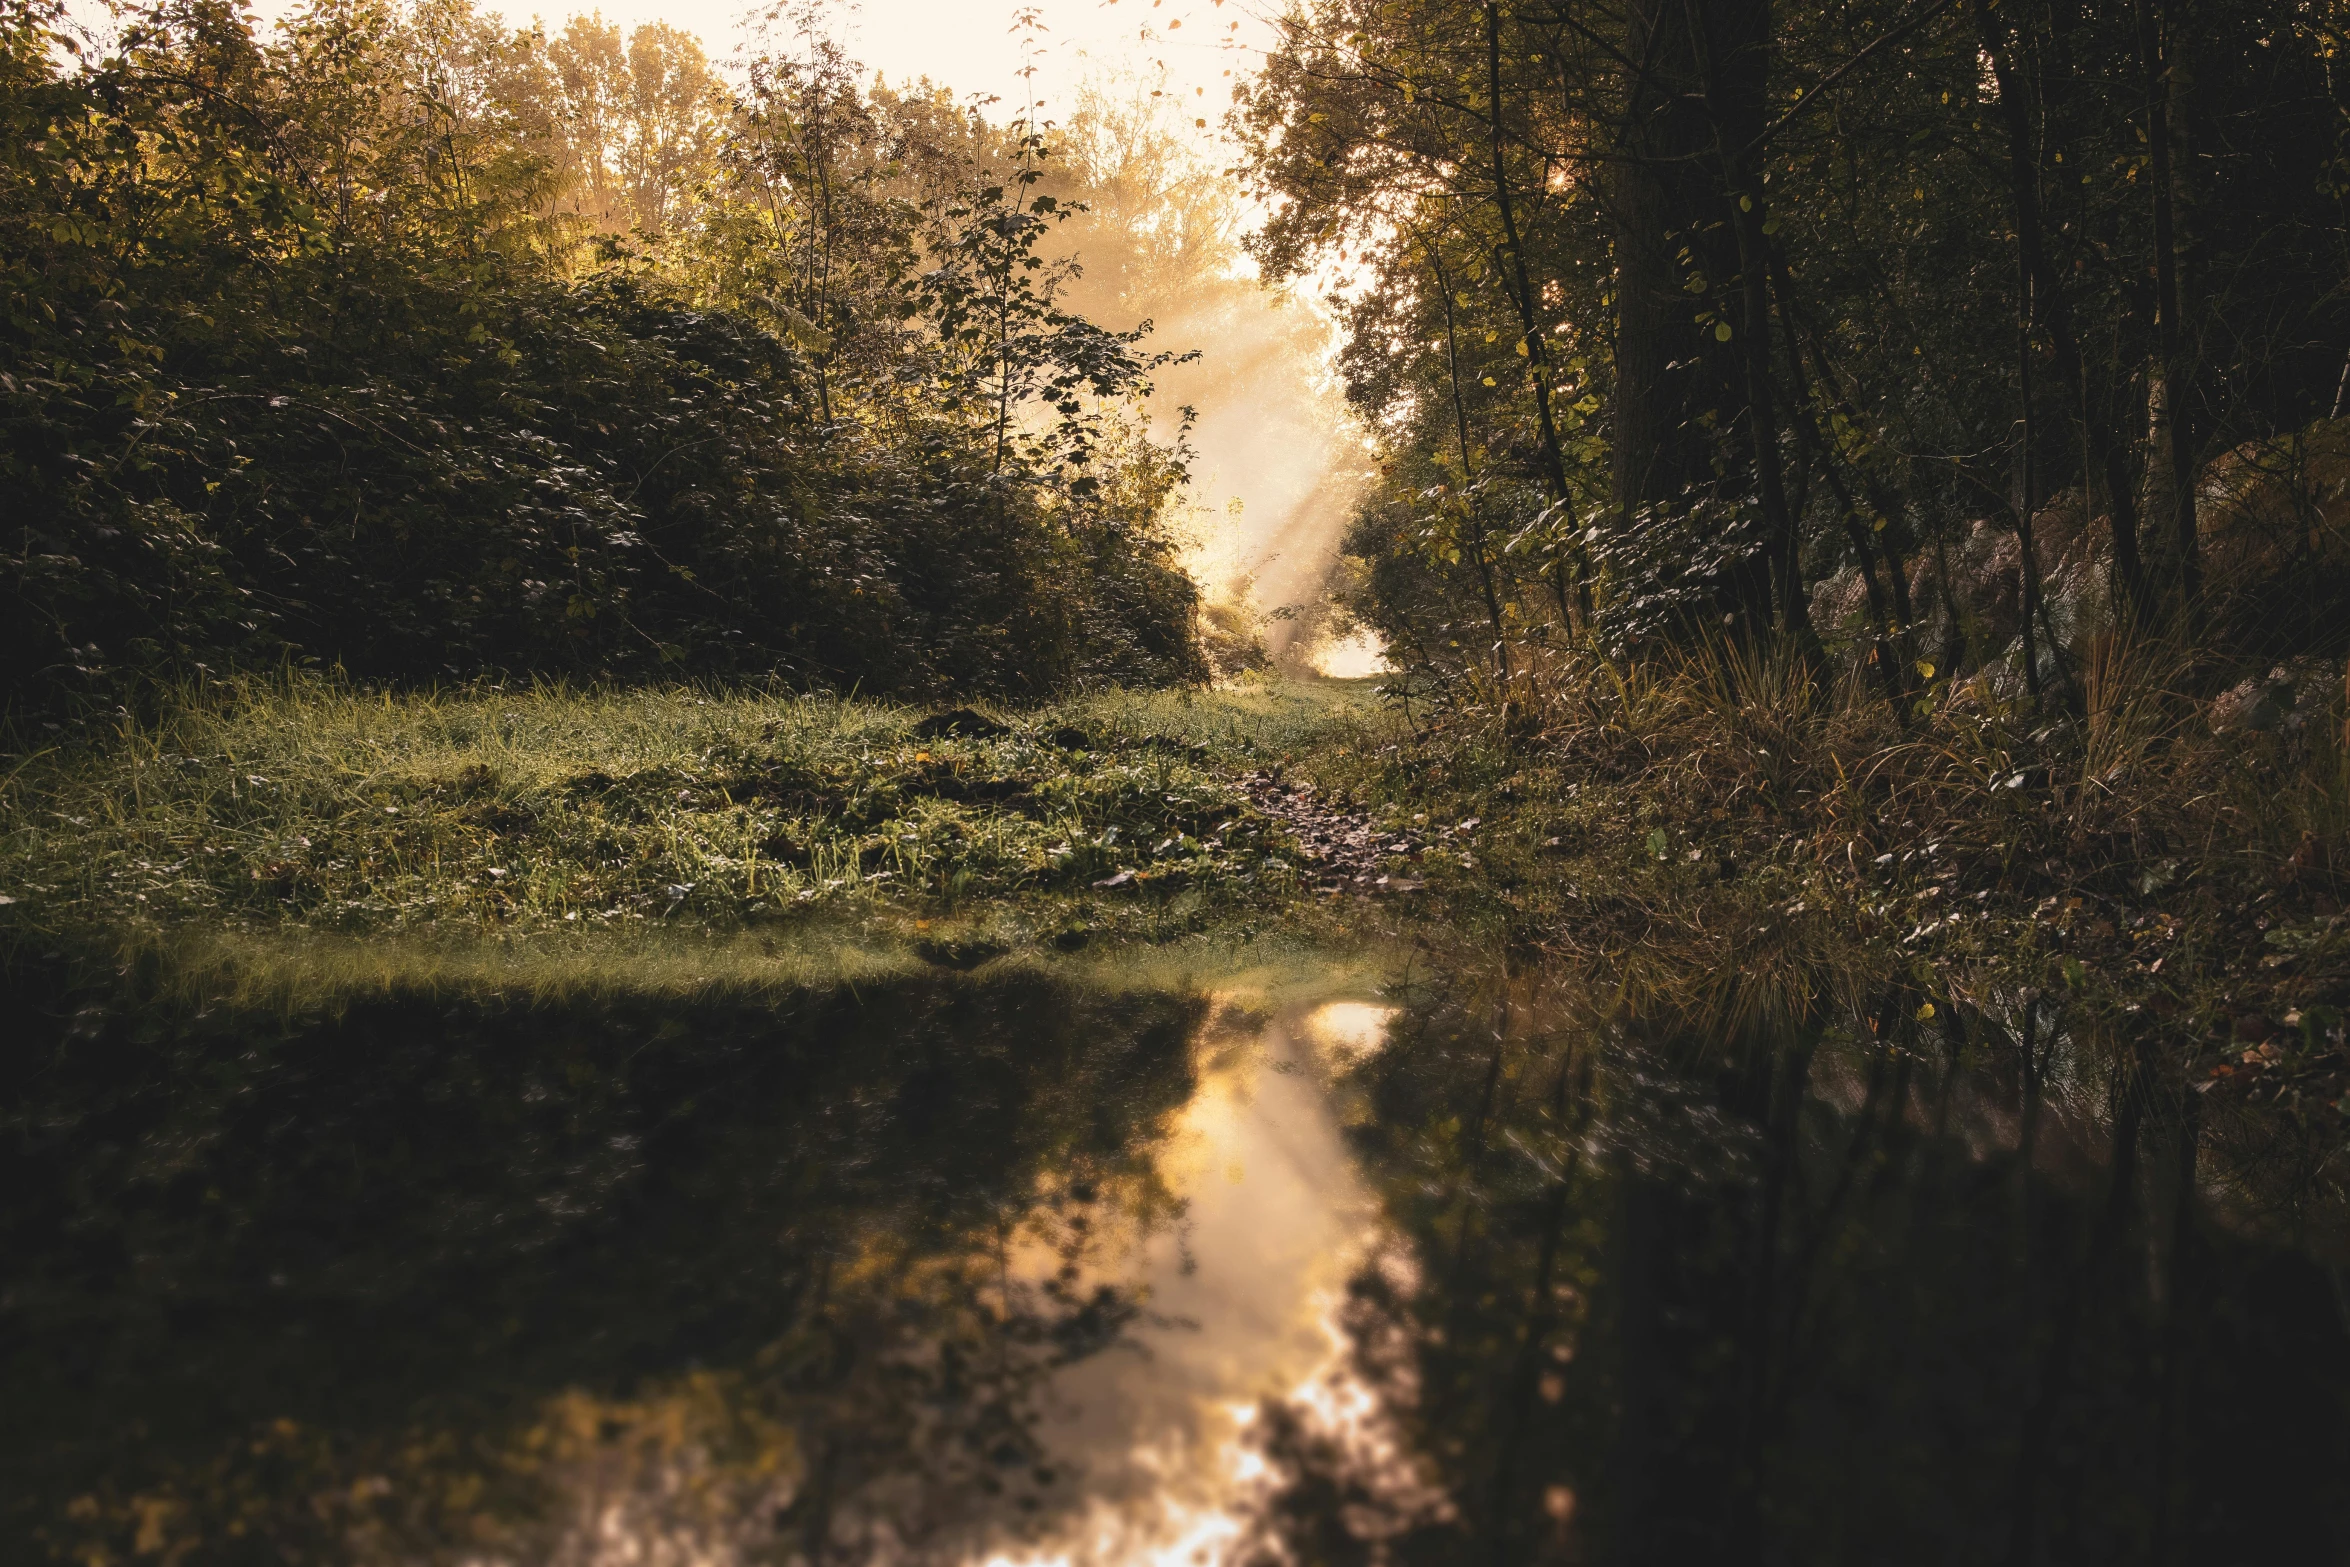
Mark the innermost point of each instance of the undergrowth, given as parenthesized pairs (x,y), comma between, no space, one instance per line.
(2156,900)
(2170,865)
(1712,822)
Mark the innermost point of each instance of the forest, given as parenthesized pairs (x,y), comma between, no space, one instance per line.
(1552,781)
(1934,338)
(1927,342)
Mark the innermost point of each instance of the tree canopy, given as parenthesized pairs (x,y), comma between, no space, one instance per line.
(402,340)
(1937,333)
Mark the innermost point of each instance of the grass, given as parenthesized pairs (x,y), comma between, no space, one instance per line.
(1725,822)
(288,974)
(310,805)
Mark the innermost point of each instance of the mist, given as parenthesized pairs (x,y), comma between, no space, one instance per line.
(1278,459)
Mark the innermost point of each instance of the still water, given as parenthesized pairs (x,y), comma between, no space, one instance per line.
(1192,1260)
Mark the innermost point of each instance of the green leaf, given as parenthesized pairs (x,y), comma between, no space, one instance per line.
(1721,331)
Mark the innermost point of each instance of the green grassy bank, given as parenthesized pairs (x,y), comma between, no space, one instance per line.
(2136,892)
(322,808)
(1707,826)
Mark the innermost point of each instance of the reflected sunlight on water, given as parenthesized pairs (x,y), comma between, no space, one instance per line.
(1243,1293)
(1131,1266)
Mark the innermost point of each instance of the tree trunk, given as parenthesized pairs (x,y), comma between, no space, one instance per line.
(2153,64)
(2103,456)
(2027,499)
(1460,416)
(1734,55)
(1667,372)
(1695,110)
(1554,468)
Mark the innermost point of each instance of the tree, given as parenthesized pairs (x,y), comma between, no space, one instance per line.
(1782,227)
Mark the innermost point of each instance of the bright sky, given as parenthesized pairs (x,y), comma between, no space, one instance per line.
(968,45)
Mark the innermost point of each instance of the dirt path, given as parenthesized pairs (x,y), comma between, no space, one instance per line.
(1342,850)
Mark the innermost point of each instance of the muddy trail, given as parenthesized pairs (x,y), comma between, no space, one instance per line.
(1345,850)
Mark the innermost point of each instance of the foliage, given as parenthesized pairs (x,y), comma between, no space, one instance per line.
(311,353)
(1736,310)
(2171,866)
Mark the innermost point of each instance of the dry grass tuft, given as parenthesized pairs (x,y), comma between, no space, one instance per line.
(1726,830)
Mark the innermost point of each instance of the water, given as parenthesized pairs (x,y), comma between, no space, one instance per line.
(1218,1257)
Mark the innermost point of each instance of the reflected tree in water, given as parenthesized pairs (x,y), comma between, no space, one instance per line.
(539,1280)
(1807,1274)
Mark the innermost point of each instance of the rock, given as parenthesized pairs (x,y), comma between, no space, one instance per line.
(2289,696)
(2246,706)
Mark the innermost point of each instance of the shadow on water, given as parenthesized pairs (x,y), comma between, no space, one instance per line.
(430,1277)
(1786,1279)
(1135,1263)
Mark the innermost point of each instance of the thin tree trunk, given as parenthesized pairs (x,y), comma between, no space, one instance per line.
(1762,420)
(1554,468)
(1863,539)
(2154,65)
(2028,570)
(817,150)
(1883,653)
(2104,456)
(1460,416)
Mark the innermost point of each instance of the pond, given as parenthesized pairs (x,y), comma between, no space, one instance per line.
(1222,1255)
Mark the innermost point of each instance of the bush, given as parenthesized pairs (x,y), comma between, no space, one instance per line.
(239,424)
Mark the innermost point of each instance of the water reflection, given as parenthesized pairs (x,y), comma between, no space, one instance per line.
(1147,1267)
(1243,1291)
(1788,1279)
(473,1279)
